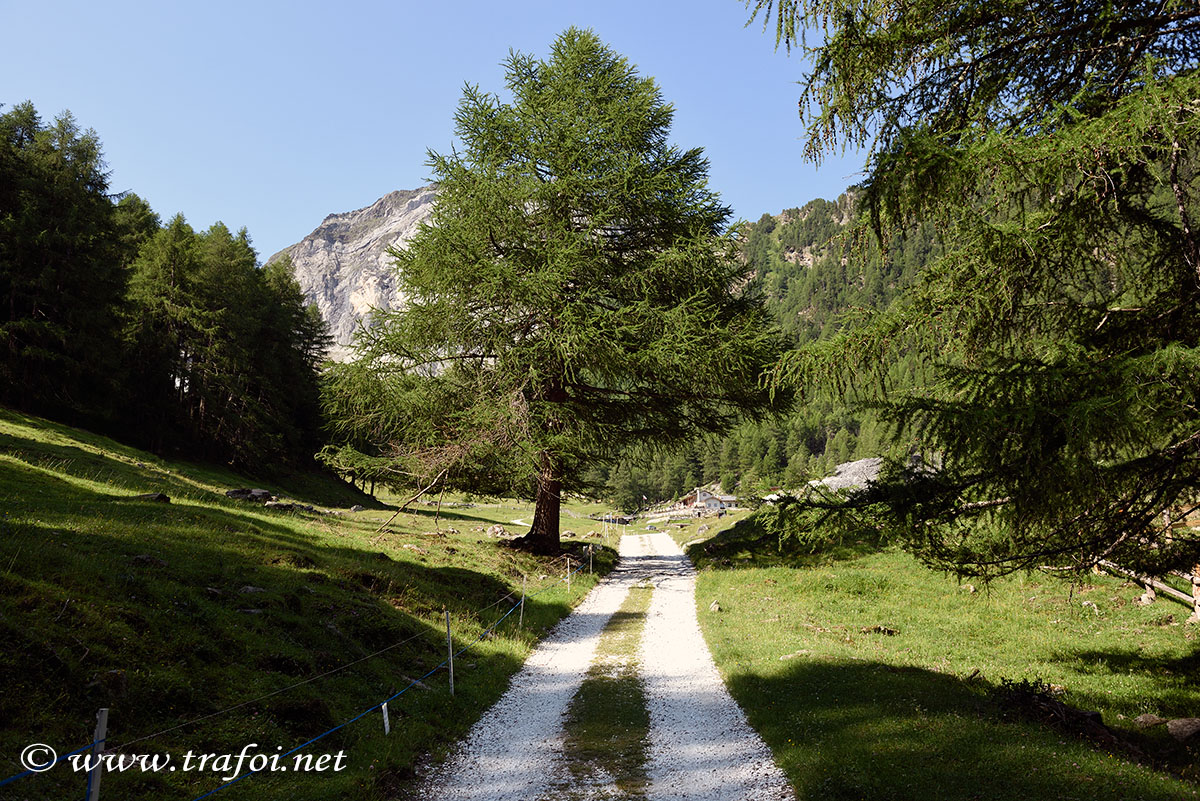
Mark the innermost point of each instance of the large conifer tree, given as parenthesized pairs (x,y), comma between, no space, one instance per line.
(61,280)
(1053,145)
(576,289)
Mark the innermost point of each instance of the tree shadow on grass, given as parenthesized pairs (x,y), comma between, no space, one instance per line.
(1177,678)
(167,612)
(855,730)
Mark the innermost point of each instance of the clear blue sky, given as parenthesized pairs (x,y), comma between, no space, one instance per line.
(270,115)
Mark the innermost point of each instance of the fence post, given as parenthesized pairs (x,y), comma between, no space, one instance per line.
(589,560)
(93,791)
(568,575)
(450,651)
(387,723)
(1195,594)
(521,614)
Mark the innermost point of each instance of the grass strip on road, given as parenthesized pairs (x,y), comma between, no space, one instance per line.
(607,725)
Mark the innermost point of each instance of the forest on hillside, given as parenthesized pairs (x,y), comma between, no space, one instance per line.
(813,267)
(180,341)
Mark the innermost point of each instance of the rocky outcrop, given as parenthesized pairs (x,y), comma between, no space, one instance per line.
(344,267)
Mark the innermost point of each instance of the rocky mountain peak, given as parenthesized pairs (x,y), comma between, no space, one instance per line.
(343,266)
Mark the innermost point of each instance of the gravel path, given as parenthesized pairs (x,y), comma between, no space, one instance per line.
(700,744)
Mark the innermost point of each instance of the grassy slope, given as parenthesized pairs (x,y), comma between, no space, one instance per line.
(851,712)
(142,607)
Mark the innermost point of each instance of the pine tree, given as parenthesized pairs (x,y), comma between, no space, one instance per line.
(61,278)
(577,289)
(1054,147)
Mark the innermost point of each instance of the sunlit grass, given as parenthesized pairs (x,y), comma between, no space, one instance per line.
(872,677)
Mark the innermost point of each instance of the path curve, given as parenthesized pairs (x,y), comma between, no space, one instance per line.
(700,744)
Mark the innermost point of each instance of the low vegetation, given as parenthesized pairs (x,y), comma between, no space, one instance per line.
(266,627)
(870,676)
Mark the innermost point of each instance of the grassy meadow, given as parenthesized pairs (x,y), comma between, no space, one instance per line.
(872,677)
(167,613)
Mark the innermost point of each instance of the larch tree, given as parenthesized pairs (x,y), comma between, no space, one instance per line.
(61,279)
(1053,145)
(576,290)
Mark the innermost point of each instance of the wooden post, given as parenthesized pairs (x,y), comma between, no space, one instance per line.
(1195,618)
(387,723)
(589,560)
(93,784)
(450,651)
(568,575)
(521,614)
(1149,596)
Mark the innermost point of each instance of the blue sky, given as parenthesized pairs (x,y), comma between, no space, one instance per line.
(271,115)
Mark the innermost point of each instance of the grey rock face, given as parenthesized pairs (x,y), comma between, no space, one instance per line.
(344,267)
(854,474)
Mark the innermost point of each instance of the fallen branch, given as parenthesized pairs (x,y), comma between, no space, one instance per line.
(410,500)
(1166,589)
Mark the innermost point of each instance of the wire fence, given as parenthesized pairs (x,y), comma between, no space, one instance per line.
(518,605)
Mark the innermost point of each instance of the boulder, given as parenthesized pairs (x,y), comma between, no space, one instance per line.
(497,531)
(1184,729)
(256,495)
(283,506)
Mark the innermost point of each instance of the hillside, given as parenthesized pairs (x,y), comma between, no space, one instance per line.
(812,266)
(219,623)
(873,676)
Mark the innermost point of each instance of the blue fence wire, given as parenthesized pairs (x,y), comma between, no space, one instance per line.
(361,715)
(31,772)
(411,684)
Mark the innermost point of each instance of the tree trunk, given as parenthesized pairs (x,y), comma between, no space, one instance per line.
(543,535)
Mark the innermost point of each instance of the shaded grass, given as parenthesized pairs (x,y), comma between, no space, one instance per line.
(607,724)
(872,677)
(169,612)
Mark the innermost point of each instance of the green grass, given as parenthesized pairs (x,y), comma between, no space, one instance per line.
(607,725)
(695,530)
(165,613)
(853,711)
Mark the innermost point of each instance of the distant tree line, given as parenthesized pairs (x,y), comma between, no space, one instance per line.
(164,336)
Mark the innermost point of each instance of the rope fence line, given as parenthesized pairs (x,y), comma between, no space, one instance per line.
(519,605)
(300,683)
(411,684)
